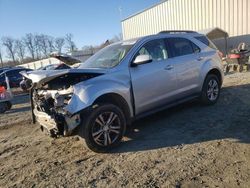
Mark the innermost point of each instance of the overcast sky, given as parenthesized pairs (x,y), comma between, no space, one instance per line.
(91,22)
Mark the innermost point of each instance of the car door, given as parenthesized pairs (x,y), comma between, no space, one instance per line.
(153,83)
(2,79)
(14,77)
(187,63)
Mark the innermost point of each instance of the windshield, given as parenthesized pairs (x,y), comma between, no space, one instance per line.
(108,57)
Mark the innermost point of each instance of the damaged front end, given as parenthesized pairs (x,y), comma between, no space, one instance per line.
(50,95)
(48,109)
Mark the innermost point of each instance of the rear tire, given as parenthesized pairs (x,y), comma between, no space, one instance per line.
(210,90)
(3,107)
(103,127)
(9,105)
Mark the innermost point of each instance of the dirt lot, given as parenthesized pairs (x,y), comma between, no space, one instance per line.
(187,146)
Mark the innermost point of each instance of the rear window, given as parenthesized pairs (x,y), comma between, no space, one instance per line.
(182,46)
(206,41)
(13,73)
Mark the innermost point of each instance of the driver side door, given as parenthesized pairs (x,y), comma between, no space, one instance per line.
(153,83)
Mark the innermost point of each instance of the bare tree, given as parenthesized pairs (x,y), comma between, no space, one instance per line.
(20,49)
(8,42)
(51,44)
(30,44)
(70,43)
(116,38)
(43,44)
(89,49)
(59,43)
(37,46)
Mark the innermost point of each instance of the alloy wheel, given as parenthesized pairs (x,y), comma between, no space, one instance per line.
(106,128)
(212,90)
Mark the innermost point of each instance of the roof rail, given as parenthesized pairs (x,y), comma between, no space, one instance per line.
(176,31)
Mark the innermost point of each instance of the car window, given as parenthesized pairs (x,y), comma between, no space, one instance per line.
(155,49)
(182,46)
(206,41)
(14,73)
(2,77)
(196,49)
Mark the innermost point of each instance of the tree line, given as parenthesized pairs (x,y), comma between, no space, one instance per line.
(34,47)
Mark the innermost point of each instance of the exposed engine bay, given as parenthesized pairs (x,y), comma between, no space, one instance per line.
(50,99)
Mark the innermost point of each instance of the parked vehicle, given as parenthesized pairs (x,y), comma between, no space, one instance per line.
(13,75)
(23,83)
(123,82)
(55,67)
(5,100)
(59,66)
(4,69)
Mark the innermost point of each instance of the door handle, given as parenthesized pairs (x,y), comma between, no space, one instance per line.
(200,58)
(169,67)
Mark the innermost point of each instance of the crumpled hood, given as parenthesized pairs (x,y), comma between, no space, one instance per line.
(43,76)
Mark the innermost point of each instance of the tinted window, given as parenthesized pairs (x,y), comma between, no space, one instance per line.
(14,73)
(155,49)
(196,49)
(181,46)
(205,41)
(2,77)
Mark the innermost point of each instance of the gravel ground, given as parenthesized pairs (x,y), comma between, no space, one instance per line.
(186,146)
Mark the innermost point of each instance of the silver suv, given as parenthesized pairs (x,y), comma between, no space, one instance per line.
(123,82)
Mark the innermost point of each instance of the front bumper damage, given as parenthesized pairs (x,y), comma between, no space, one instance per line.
(58,97)
(57,125)
(48,108)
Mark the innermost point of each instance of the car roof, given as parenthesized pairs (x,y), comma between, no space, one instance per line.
(168,33)
(4,68)
(13,69)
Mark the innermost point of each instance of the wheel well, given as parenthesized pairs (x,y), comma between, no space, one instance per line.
(117,100)
(217,73)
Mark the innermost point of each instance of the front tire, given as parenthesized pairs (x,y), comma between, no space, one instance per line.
(210,90)
(104,127)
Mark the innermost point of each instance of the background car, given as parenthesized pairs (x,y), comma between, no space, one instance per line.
(5,100)
(55,67)
(13,75)
(4,69)
(60,66)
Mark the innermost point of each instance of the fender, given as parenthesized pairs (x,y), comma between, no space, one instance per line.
(206,68)
(85,93)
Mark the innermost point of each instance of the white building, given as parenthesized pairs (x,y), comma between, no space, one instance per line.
(232,16)
(41,63)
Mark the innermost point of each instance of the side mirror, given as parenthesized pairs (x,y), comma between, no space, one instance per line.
(141,59)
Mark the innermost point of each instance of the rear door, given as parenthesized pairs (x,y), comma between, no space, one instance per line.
(187,62)
(14,77)
(153,83)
